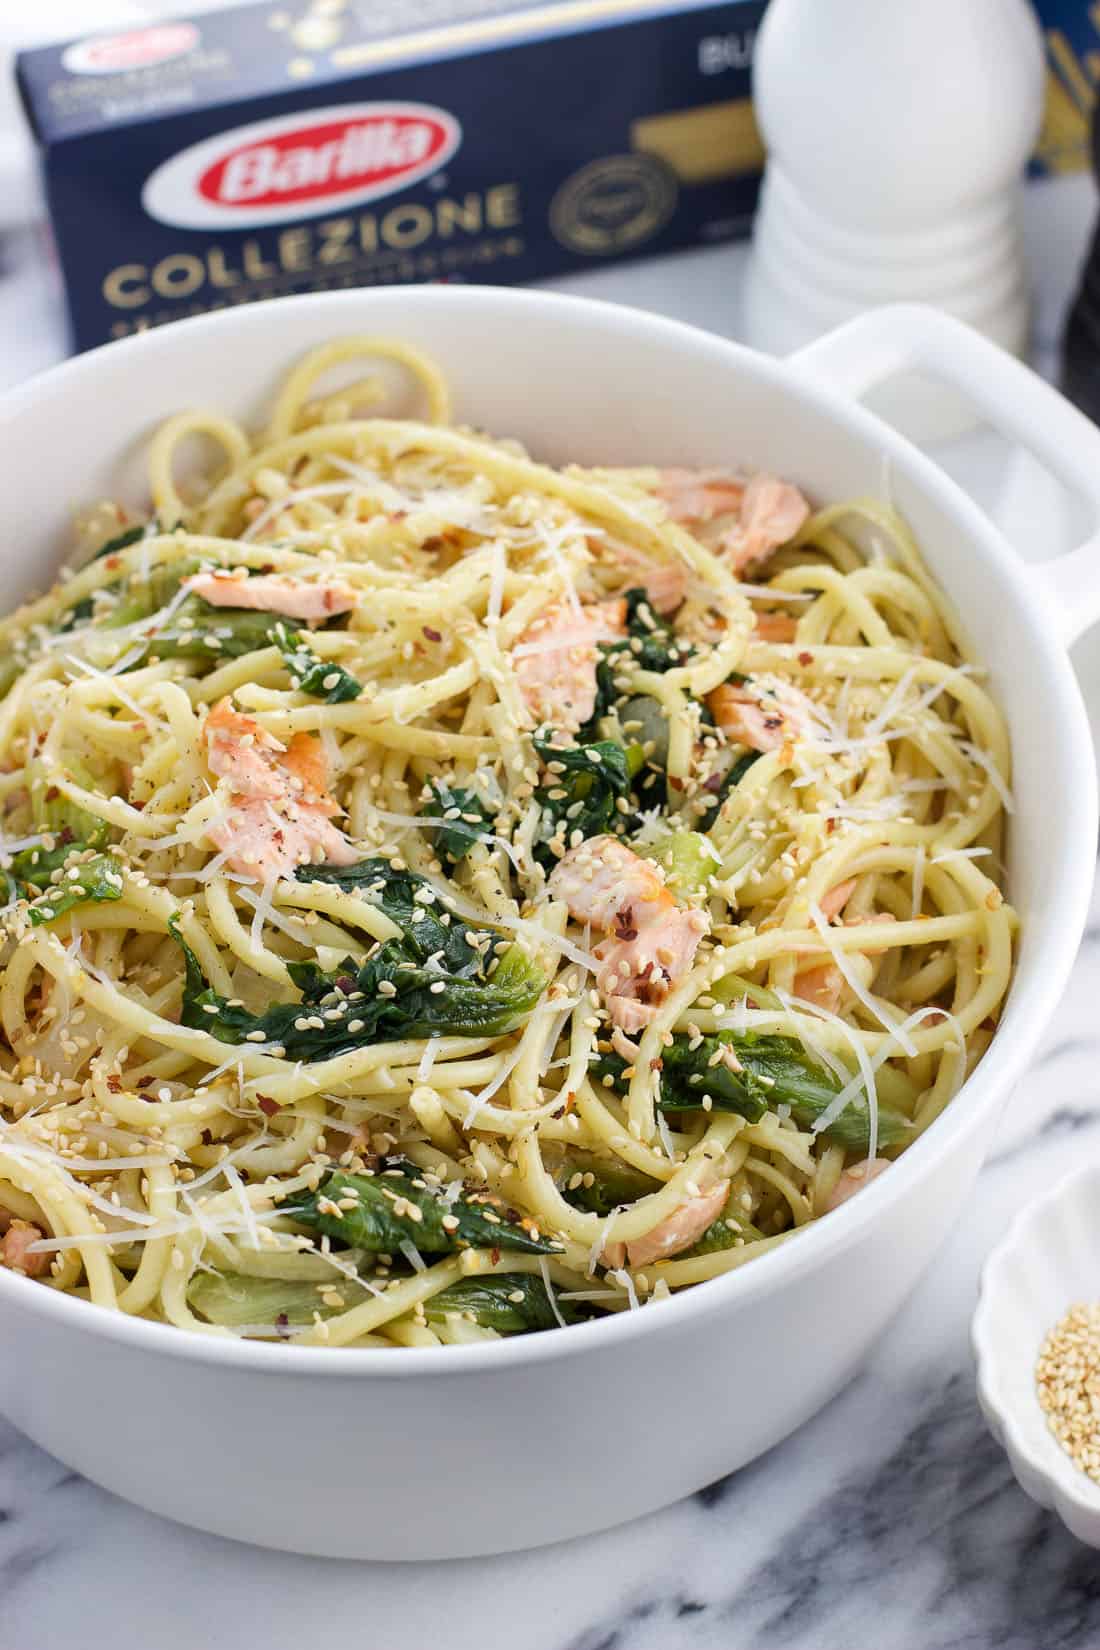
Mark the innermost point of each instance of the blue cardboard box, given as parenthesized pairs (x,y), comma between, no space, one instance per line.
(278,148)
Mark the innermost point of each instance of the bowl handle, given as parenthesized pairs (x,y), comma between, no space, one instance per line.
(913,337)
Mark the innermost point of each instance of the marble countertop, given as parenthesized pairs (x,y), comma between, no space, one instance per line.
(891,1519)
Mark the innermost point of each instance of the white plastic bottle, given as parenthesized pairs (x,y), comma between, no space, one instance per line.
(897,131)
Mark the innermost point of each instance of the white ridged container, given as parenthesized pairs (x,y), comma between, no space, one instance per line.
(1048,1261)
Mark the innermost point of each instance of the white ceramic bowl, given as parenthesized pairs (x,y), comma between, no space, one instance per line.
(1045,1264)
(459,1450)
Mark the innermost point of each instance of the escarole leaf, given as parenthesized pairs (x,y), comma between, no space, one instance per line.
(401,1204)
(601,1184)
(584,783)
(68,869)
(82,610)
(431,980)
(128,536)
(687,858)
(93,878)
(465,814)
(730,1230)
(650,643)
(264,1305)
(512,1303)
(427,922)
(55,815)
(651,639)
(321,678)
(750,1075)
(200,630)
(728,784)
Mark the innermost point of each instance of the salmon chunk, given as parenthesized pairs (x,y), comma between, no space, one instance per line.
(824,985)
(556,657)
(764,718)
(651,940)
(772,511)
(280,812)
(767,511)
(854,1179)
(664,582)
(683,1227)
(14,1246)
(775,627)
(311,600)
(694,497)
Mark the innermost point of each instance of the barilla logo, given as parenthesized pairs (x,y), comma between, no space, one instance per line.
(138,49)
(300,165)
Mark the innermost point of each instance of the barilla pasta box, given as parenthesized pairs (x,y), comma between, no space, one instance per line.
(268,149)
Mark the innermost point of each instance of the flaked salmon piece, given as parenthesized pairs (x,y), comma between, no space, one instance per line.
(265,840)
(854,1179)
(240,750)
(768,511)
(664,582)
(280,812)
(694,497)
(556,657)
(765,719)
(832,904)
(307,764)
(824,985)
(311,600)
(772,511)
(14,1245)
(678,1231)
(651,941)
(775,627)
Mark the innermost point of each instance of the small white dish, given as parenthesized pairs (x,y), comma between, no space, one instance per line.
(1048,1261)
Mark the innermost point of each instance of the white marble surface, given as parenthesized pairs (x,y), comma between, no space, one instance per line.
(890,1520)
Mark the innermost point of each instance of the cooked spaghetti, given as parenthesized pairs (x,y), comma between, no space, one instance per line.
(450,896)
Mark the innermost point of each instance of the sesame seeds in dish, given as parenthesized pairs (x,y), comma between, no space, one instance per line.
(451,897)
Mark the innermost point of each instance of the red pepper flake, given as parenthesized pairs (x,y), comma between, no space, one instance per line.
(114,1083)
(112,563)
(143,1082)
(267,1105)
(432,635)
(52,793)
(494,1256)
(675,783)
(282,1324)
(805,658)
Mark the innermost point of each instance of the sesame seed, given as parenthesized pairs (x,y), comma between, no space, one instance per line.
(1067,1378)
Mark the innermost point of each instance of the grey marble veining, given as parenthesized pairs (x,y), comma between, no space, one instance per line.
(889,1521)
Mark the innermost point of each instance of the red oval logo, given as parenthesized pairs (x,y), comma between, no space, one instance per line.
(295,166)
(136,49)
(318,162)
